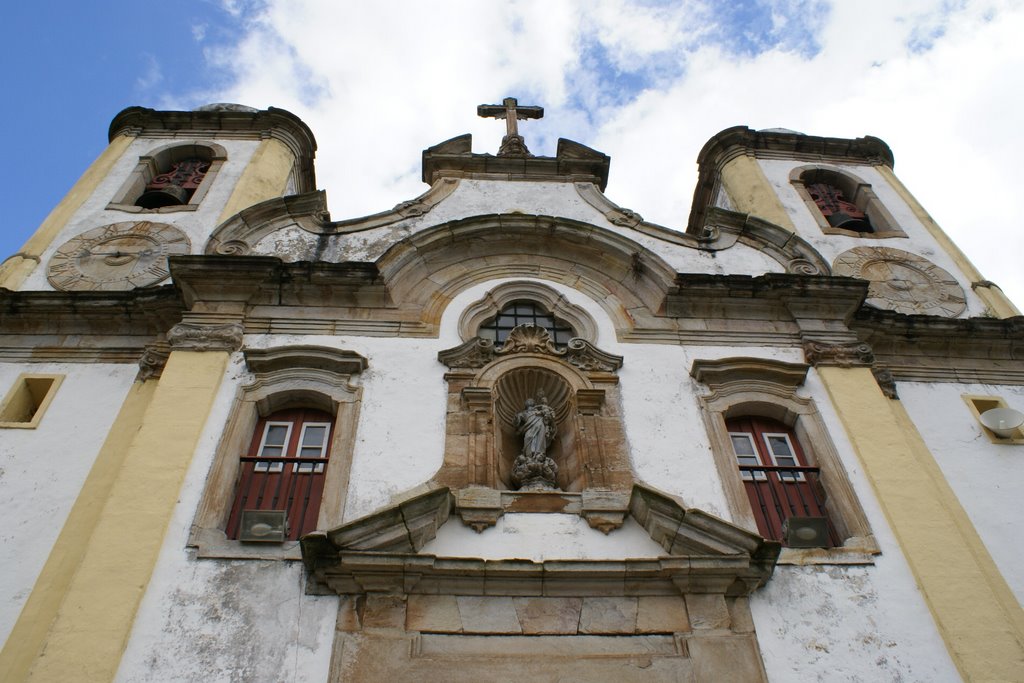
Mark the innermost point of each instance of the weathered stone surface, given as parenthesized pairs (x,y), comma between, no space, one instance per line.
(488,614)
(707,611)
(713,656)
(437,613)
(348,614)
(662,614)
(739,615)
(549,615)
(608,615)
(384,611)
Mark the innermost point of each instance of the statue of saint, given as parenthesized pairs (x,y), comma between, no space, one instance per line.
(533,469)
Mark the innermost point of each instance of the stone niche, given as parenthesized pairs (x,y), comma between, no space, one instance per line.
(488,385)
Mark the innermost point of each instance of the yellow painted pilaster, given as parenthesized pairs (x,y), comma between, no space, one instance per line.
(265,177)
(751,192)
(993,297)
(16,269)
(29,633)
(979,619)
(93,622)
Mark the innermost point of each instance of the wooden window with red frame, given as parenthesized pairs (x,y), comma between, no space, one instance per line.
(775,473)
(284,469)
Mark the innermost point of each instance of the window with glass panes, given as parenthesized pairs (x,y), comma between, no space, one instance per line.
(284,469)
(525,313)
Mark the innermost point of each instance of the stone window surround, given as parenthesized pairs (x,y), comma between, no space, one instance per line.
(18,391)
(548,298)
(755,386)
(856,191)
(314,377)
(149,167)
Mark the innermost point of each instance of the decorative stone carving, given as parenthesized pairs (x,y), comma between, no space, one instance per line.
(886,381)
(206,337)
(799,266)
(529,339)
(902,281)
(533,470)
(474,353)
(623,217)
(153,360)
(478,352)
(589,358)
(843,355)
(233,248)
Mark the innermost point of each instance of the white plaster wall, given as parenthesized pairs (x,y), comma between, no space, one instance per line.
(987,478)
(42,470)
(198,224)
(542,536)
(918,241)
(222,620)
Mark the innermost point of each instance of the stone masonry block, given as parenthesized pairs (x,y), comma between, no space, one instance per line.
(485,614)
(707,611)
(435,613)
(662,614)
(608,615)
(549,615)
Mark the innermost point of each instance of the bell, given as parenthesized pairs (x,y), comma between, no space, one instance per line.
(168,195)
(848,222)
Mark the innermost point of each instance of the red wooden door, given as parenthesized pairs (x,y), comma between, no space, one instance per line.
(284,469)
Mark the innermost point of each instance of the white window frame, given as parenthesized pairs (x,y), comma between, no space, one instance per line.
(748,476)
(274,467)
(784,478)
(310,467)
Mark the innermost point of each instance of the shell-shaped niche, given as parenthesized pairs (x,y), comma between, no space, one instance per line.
(515,386)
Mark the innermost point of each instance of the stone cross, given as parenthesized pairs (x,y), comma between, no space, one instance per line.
(512,144)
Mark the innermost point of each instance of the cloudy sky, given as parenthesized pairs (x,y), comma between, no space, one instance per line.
(645,82)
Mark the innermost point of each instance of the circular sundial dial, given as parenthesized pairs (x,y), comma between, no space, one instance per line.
(116,257)
(903,282)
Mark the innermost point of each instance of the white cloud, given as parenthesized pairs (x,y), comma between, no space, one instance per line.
(649,84)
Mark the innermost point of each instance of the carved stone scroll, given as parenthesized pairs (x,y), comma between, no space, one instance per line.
(842,355)
(206,337)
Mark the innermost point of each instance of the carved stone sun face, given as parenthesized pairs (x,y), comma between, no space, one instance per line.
(116,257)
(903,282)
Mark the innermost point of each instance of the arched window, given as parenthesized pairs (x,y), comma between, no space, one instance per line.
(283,471)
(839,212)
(172,178)
(843,204)
(779,483)
(176,185)
(522,312)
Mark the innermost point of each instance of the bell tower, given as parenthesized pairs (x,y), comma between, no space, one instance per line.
(165,182)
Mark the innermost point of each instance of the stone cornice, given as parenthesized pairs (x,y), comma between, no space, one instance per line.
(324,358)
(148,311)
(740,140)
(572,162)
(226,123)
(933,349)
(379,553)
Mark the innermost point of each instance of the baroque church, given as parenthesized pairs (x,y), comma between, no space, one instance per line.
(507,430)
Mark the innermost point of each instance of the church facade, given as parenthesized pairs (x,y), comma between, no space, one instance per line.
(505,430)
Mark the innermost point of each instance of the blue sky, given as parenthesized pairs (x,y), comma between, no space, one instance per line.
(645,82)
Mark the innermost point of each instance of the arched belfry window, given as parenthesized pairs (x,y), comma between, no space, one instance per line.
(843,204)
(523,312)
(839,212)
(175,177)
(176,185)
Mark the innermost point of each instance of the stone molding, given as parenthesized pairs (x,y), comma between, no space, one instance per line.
(323,358)
(198,336)
(480,507)
(573,162)
(507,292)
(842,355)
(717,374)
(378,553)
(240,234)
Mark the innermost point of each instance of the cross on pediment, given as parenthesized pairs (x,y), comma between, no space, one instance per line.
(510,110)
